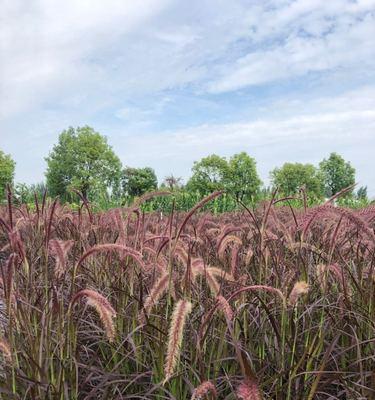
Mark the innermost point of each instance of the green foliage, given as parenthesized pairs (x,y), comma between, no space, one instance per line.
(184,201)
(359,201)
(83,160)
(137,181)
(208,175)
(241,178)
(353,202)
(291,177)
(238,176)
(362,193)
(7,166)
(338,174)
(25,194)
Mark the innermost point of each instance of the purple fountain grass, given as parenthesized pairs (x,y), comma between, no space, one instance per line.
(157,291)
(103,308)
(248,390)
(203,390)
(241,323)
(60,249)
(225,307)
(5,349)
(298,290)
(176,330)
(136,255)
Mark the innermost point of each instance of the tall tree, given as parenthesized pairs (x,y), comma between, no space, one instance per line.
(241,177)
(7,167)
(137,181)
(238,176)
(83,160)
(208,175)
(338,174)
(291,177)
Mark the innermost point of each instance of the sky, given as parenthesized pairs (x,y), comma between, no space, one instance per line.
(169,82)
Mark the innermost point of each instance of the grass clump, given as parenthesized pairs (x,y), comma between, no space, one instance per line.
(266,303)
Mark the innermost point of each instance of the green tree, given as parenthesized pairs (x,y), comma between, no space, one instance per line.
(208,175)
(241,177)
(7,167)
(291,177)
(362,193)
(83,160)
(338,174)
(137,181)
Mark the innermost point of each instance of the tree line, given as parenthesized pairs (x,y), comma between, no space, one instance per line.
(83,160)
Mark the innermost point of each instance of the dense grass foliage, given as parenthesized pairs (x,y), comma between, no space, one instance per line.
(182,200)
(272,303)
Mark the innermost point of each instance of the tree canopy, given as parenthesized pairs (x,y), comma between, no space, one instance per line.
(338,174)
(83,160)
(291,177)
(208,175)
(241,177)
(7,167)
(137,181)
(238,176)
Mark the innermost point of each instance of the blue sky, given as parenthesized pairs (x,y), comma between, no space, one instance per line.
(169,82)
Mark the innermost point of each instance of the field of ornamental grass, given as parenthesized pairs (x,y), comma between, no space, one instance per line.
(271,303)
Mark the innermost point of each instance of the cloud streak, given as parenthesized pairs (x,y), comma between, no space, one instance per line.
(345,124)
(169,82)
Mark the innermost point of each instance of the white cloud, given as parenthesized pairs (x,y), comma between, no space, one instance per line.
(300,131)
(123,66)
(226,138)
(48,47)
(313,37)
(52,50)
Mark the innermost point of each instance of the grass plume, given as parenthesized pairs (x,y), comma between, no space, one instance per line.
(103,308)
(176,330)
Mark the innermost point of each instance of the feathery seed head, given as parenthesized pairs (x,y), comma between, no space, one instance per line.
(59,250)
(299,289)
(321,276)
(181,310)
(248,390)
(103,308)
(225,307)
(5,349)
(203,389)
(159,288)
